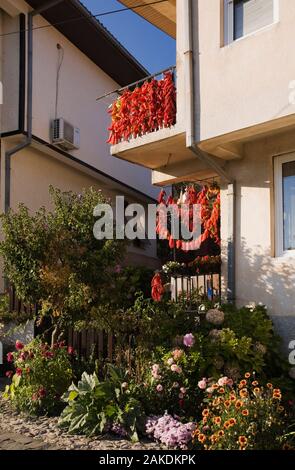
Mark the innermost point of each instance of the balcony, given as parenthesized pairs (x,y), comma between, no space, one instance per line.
(146,124)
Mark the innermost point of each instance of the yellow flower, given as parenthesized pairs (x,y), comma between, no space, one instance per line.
(243,441)
(226,425)
(205,412)
(257,390)
(232,421)
(213,438)
(227,403)
(202,438)
(245,412)
(196,432)
(232,398)
(243,393)
(247,375)
(217,420)
(238,404)
(221,390)
(243,383)
(221,433)
(216,402)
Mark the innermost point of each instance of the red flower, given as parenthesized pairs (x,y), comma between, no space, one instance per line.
(9,357)
(19,371)
(48,354)
(62,344)
(42,392)
(71,350)
(19,346)
(9,374)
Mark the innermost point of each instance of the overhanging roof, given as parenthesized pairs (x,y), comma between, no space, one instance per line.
(161,15)
(93,39)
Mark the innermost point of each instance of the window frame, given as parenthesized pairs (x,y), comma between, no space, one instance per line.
(279,209)
(228,9)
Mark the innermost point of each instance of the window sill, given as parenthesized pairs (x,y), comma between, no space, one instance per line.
(258,31)
(285,256)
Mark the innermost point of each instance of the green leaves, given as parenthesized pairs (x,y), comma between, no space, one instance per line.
(93,406)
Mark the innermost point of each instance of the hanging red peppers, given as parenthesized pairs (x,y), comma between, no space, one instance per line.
(157,288)
(145,109)
(209,200)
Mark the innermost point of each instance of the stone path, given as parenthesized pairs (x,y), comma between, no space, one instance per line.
(20,432)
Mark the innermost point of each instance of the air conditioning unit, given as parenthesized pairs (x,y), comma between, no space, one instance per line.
(65,135)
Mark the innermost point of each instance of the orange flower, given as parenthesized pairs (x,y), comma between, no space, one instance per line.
(232,421)
(238,404)
(221,433)
(277,390)
(227,403)
(257,390)
(216,402)
(247,375)
(232,398)
(202,438)
(204,420)
(243,393)
(255,383)
(215,386)
(226,424)
(196,432)
(213,438)
(269,385)
(245,412)
(243,383)
(243,441)
(221,390)
(217,420)
(205,412)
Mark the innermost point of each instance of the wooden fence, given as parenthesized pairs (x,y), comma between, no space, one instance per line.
(101,344)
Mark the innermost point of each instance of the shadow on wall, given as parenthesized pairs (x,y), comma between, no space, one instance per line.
(271,281)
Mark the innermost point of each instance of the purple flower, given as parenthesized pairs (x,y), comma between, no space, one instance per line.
(189,340)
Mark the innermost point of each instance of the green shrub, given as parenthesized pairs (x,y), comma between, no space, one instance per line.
(95,407)
(42,374)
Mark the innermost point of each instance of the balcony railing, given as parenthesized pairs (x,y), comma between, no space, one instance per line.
(144,107)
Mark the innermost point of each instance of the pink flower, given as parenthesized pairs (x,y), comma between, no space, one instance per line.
(9,374)
(177,354)
(181,396)
(230,382)
(19,346)
(19,371)
(159,388)
(189,340)
(176,368)
(223,381)
(23,356)
(202,384)
(9,357)
(183,390)
(170,361)
(118,269)
(71,350)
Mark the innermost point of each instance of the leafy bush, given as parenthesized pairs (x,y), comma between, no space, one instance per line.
(42,374)
(245,417)
(95,407)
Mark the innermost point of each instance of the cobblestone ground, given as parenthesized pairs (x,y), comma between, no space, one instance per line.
(19,432)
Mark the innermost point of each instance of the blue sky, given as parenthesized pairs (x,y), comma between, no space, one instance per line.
(154,49)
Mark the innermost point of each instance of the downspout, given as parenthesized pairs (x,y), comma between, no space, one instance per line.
(189,74)
(28,140)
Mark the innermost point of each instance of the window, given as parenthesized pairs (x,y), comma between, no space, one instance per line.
(285,204)
(243,17)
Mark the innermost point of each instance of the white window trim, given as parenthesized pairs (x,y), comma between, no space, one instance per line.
(278,191)
(229,22)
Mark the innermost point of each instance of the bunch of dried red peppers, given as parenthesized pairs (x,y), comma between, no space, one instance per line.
(147,108)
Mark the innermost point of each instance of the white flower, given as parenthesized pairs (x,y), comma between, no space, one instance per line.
(214,316)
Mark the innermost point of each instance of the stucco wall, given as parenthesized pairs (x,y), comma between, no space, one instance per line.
(80,83)
(261,276)
(246,82)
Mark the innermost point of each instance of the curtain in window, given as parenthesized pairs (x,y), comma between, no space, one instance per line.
(289,205)
(251,15)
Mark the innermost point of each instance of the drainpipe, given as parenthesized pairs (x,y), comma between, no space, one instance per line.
(9,153)
(189,74)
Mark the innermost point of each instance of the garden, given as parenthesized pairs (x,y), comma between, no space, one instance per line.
(190,372)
